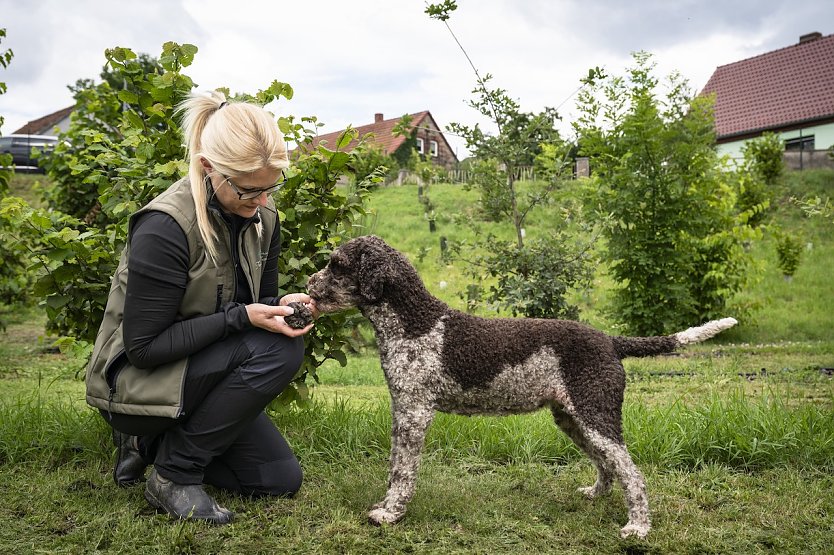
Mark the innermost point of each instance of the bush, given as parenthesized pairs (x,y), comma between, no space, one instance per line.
(369,160)
(763,155)
(123,148)
(15,279)
(788,253)
(674,231)
(763,165)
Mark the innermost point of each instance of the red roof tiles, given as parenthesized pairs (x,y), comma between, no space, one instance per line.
(382,130)
(774,90)
(45,124)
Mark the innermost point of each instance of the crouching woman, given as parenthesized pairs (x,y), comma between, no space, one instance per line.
(193,344)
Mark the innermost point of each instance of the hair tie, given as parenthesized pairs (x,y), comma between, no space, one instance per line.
(222,104)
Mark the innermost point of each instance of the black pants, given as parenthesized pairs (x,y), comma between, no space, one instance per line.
(223,437)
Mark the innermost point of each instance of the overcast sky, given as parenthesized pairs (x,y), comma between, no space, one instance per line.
(348,60)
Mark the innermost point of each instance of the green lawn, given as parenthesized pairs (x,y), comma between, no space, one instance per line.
(735,437)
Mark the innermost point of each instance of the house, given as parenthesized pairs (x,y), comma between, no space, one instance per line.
(789,92)
(429,140)
(47,124)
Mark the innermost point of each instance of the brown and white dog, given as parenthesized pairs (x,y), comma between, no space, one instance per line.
(436,358)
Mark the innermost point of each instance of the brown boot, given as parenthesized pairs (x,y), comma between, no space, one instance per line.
(130,467)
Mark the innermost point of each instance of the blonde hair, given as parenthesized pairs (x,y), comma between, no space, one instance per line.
(235,138)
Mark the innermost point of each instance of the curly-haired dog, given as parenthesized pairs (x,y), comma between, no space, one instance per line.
(436,358)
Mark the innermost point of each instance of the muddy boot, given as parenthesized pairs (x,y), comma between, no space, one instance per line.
(184,501)
(130,467)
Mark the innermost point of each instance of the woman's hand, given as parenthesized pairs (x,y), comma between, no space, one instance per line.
(271,318)
(300,298)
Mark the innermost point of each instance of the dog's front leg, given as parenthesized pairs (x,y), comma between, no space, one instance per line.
(407,435)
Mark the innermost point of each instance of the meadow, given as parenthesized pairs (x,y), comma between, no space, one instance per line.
(735,437)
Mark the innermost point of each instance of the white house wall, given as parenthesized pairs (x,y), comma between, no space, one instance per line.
(823,140)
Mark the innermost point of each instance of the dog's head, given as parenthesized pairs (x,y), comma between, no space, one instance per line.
(356,275)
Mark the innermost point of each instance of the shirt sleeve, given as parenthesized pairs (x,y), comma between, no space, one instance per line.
(269,279)
(157,277)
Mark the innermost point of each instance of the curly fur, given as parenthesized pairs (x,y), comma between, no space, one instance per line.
(439,359)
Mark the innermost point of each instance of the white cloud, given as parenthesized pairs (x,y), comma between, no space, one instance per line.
(349,60)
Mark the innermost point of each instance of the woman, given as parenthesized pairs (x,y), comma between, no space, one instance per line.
(194,345)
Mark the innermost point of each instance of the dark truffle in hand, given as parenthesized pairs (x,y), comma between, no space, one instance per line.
(301,318)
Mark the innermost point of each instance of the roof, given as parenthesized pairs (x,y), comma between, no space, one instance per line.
(775,90)
(46,123)
(382,130)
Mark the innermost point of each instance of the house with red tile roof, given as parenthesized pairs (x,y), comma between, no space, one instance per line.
(789,92)
(46,125)
(428,139)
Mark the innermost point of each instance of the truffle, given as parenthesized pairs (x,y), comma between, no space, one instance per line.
(301,318)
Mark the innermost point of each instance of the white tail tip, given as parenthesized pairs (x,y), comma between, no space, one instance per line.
(702,333)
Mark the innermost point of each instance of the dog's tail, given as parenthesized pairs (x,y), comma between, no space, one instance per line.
(651,346)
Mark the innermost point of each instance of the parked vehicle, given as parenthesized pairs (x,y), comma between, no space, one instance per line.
(20,147)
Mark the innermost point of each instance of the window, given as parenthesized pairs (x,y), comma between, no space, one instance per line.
(800,143)
(419,145)
(433,148)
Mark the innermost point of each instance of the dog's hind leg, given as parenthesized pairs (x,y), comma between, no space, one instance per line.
(617,457)
(605,474)
(612,460)
(407,436)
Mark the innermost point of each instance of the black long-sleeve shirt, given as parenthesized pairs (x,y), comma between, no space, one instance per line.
(157,277)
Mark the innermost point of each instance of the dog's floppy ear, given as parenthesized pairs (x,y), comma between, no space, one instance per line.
(375,269)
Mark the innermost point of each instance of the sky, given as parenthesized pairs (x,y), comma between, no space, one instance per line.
(348,60)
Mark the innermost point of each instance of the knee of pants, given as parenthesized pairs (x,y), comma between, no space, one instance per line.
(279,478)
(273,362)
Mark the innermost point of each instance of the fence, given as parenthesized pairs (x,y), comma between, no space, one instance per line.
(522,173)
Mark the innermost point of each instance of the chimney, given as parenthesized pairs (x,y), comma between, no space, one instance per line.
(378,116)
(809,37)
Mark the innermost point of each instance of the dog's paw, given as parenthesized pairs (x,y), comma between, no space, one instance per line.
(379,516)
(590,492)
(631,530)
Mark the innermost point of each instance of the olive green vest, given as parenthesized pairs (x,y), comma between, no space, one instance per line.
(113,384)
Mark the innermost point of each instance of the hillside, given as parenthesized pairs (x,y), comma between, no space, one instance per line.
(798,310)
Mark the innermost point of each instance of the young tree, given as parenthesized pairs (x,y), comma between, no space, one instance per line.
(550,267)
(675,232)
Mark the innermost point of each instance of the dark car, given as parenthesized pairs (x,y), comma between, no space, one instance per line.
(20,147)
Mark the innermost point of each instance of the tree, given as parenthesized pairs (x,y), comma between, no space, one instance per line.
(674,231)
(550,267)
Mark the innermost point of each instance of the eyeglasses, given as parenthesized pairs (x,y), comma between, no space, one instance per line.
(249,194)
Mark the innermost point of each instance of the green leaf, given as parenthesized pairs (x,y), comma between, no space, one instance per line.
(346,137)
(128,96)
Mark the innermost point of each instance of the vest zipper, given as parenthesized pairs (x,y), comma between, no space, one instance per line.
(219,301)
(111,385)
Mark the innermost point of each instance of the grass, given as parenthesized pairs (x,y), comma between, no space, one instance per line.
(735,437)
(28,186)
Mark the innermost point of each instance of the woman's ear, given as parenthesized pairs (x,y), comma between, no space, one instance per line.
(206,164)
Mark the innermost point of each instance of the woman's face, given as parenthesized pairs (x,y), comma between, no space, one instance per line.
(226,190)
